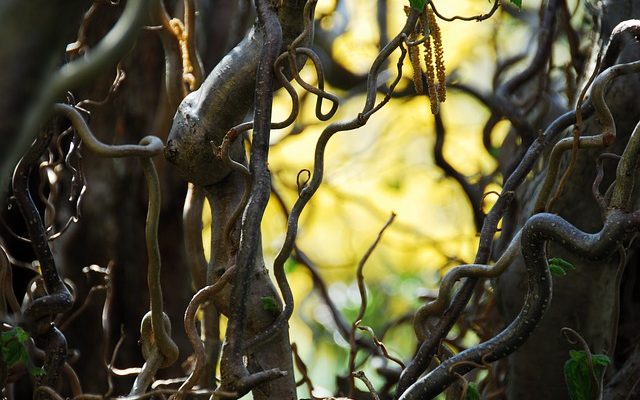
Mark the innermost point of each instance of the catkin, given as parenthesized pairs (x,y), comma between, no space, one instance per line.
(436,76)
(431,77)
(414,58)
(439,55)
(434,60)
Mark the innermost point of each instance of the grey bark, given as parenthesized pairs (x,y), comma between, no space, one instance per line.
(204,118)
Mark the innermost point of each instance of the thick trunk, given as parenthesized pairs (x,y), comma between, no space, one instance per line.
(203,119)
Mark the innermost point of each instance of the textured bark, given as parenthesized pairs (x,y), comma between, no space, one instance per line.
(587,299)
(204,117)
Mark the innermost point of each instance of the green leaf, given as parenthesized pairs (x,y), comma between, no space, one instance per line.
(518,3)
(7,336)
(600,360)
(557,270)
(35,371)
(577,355)
(559,266)
(269,303)
(566,265)
(472,392)
(12,352)
(21,335)
(578,375)
(574,377)
(418,4)
(16,333)
(290,265)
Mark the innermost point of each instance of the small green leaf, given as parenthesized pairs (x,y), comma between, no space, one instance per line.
(12,353)
(518,3)
(14,350)
(36,371)
(577,355)
(7,336)
(574,377)
(557,270)
(566,265)
(418,4)
(472,392)
(579,377)
(559,266)
(290,265)
(600,359)
(16,333)
(269,303)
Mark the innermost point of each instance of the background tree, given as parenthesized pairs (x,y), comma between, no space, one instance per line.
(78,199)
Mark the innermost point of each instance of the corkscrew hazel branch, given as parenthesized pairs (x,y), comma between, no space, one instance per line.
(235,375)
(320,285)
(577,129)
(428,348)
(480,17)
(174,86)
(155,326)
(362,289)
(309,190)
(192,225)
(158,349)
(538,230)
(149,146)
(203,295)
(595,187)
(436,307)
(159,320)
(603,113)
(57,299)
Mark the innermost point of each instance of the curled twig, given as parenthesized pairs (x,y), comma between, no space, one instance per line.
(198,299)
(309,190)
(574,337)
(538,230)
(477,18)
(605,138)
(361,375)
(303,370)
(155,330)
(362,289)
(436,307)
(381,346)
